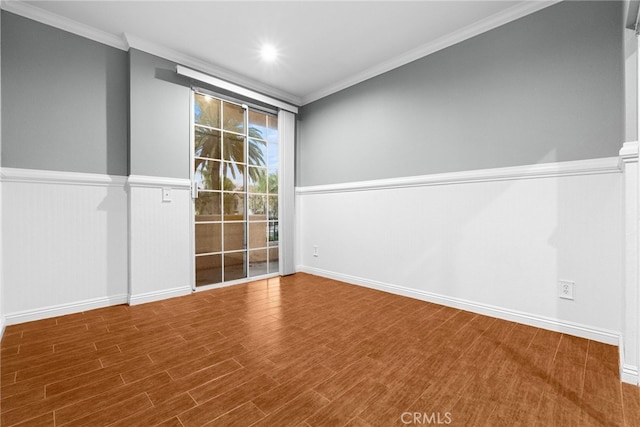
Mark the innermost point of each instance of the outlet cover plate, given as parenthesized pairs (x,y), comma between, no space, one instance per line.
(565,289)
(166,195)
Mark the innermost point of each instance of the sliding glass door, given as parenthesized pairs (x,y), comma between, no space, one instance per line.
(235,178)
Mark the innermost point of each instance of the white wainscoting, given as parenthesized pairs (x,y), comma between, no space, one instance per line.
(2,321)
(494,241)
(630,339)
(64,243)
(160,250)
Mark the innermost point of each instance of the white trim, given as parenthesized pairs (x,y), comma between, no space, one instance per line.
(194,191)
(223,84)
(629,151)
(628,373)
(297,241)
(206,67)
(49,18)
(482,26)
(158,238)
(544,170)
(131,41)
(63,309)
(286,205)
(2,321)
(236,282)
(159,295)
(156,181)
(584,331)
(127,41)
(57,177)
(631,14)
(629,346)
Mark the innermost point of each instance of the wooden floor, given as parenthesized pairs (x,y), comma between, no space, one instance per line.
(304,351)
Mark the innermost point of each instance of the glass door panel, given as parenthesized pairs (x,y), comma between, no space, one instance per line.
(208,238)
(258,262)
(208,269)
(235,172)
(234,118)
(235,266)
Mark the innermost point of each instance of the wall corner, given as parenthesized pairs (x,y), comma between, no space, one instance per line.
(630,340)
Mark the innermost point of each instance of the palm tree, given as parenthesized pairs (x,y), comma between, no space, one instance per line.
(208,145)
(266,184)
(222,160)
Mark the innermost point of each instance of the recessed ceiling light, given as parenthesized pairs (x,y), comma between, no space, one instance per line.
(268,53)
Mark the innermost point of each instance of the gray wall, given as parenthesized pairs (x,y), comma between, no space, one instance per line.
(71,104)
(64,100)
(547,87)
(1,208)
(160,122)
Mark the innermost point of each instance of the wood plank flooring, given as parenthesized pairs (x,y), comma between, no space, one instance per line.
(304,351)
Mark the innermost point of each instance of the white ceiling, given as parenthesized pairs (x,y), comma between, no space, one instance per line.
(324,46)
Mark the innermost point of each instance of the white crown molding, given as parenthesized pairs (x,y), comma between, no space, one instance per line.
(180,58)
(57,177)
(127,41)
(158,182)
(49,18)
(543,170)
(482,26)
(575,329)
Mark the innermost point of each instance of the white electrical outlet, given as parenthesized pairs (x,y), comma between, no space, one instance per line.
(565,289)
(315,251)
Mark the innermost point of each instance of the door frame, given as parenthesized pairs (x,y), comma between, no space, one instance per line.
(192,244)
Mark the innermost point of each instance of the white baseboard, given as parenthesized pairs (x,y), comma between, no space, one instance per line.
(583,331)
(62,309)
(159,295)
(628,373)
(2,324)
